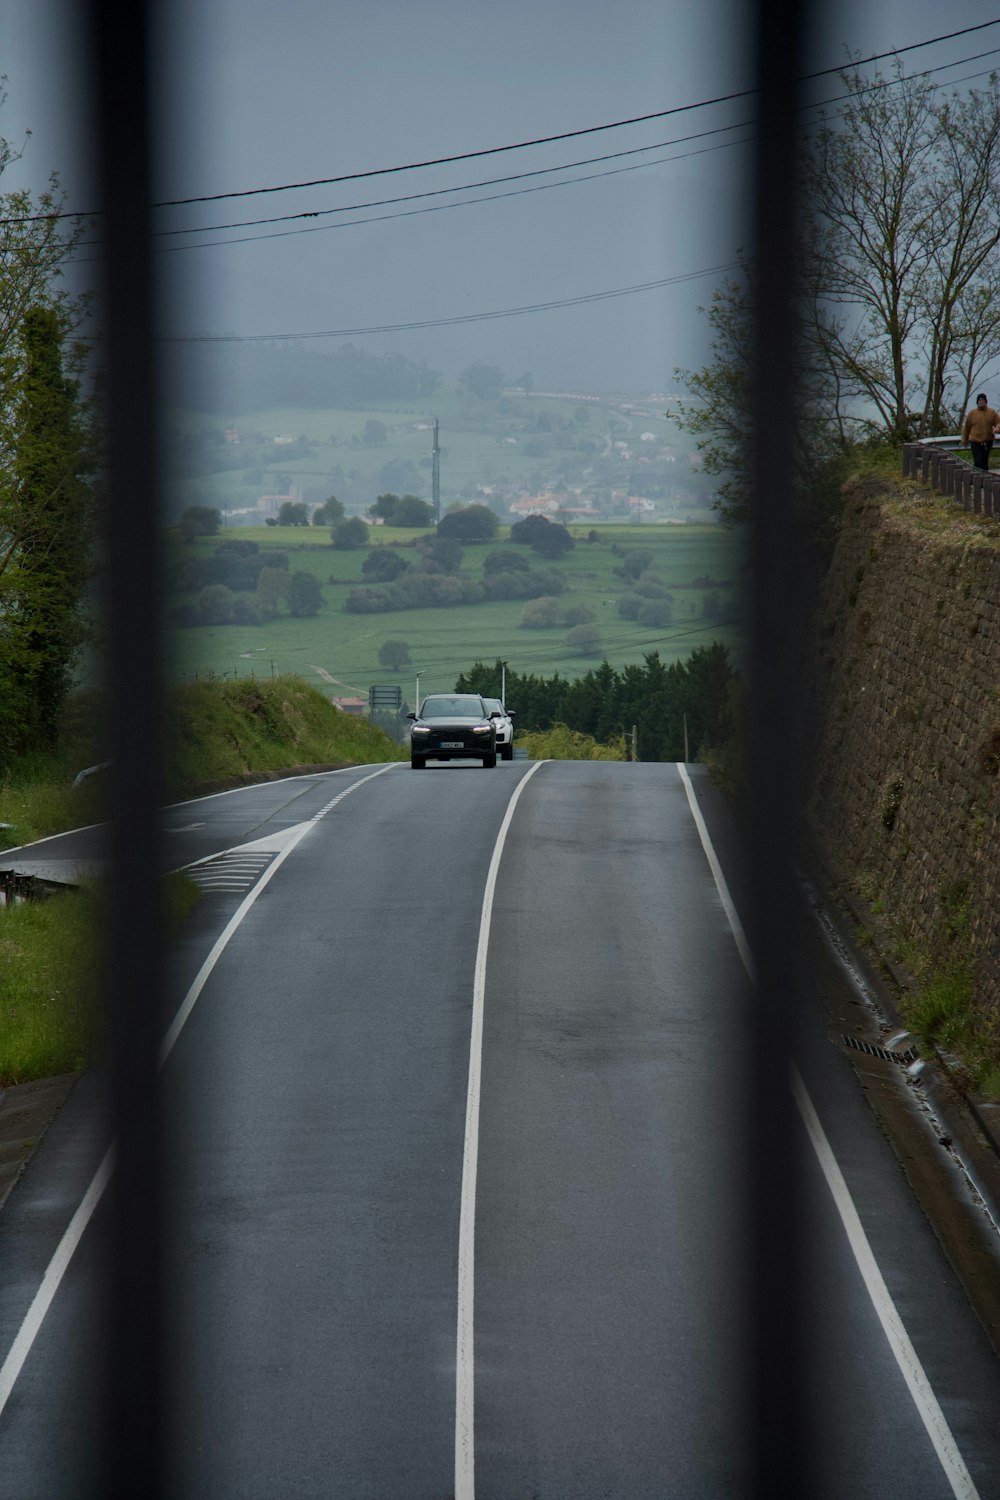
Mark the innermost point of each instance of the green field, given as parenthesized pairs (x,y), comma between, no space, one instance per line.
(445,642)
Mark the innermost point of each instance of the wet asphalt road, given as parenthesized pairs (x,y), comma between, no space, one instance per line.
(317,1099)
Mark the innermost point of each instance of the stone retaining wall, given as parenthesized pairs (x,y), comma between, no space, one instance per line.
(905,719)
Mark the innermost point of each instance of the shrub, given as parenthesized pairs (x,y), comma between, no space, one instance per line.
(629,606)
(505,562)
(577,614)
(656,612)
(348,536)
(383,565)
(584,640)
(541,614)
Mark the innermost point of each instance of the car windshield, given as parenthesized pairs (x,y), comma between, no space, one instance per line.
(452,708)
(493,705)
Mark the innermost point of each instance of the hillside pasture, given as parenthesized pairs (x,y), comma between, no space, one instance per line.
(445,641)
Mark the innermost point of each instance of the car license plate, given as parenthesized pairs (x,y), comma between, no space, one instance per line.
(452,745)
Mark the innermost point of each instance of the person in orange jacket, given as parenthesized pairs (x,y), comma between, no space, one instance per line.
(981,426)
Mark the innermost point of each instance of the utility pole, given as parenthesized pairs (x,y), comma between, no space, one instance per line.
(503,683)
(417,704)
(436,475)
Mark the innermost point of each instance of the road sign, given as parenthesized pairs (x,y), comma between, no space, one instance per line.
(385,697)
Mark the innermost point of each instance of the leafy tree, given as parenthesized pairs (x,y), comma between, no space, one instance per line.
(634,564)
(293,513)
(554,542)
(200,520)
(348,536)
(485,381)
(329,512)
(383,565)
(472,523)
(442,554)
(214,605)
(541,614)
(374,433)
(384,507)
(305,597)
(578,614)
(656,612)
(584,640)
(47,501)
(273,586)
(412,512)
(394,654)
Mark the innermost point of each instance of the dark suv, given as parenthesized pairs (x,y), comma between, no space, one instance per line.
(453,726)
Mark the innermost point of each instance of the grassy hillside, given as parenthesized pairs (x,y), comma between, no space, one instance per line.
(340,650)
(219,730)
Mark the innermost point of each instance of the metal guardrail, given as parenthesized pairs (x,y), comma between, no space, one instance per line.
(976,490)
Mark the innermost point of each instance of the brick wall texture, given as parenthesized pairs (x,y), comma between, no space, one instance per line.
(905,719)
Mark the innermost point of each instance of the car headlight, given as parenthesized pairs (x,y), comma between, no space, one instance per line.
(482,728)
(419,729)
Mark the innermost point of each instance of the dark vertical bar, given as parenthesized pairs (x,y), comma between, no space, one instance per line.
(777,1365)
(119,35)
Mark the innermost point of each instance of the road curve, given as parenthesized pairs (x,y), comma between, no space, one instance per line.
(317,1100)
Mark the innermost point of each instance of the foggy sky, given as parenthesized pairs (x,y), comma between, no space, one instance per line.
(256,94)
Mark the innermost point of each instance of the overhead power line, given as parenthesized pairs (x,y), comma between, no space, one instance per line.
(504,312)
(496,181)
(546,140)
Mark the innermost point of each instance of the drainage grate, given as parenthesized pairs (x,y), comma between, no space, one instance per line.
(230,872)
(903,1058)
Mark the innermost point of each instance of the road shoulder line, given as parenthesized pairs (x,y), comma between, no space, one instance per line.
(906,1357)
(59,1263)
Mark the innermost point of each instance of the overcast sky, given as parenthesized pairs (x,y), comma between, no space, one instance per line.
(256,94)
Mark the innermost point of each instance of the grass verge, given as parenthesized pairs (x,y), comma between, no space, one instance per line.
(51,1012)
(560,743)
(220,730)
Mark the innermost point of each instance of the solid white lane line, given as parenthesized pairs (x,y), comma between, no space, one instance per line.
(912,1370)
(57,1266)
(919,1386)
(465,1390)
(54,1273)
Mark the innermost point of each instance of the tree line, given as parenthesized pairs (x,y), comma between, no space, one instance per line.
(606,702)
(49,465)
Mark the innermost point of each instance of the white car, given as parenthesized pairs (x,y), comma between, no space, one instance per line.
(505,729)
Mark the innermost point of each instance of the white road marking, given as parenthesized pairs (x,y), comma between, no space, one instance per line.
(74,1232)
(465,1391)
(186,828)
(912,1370)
